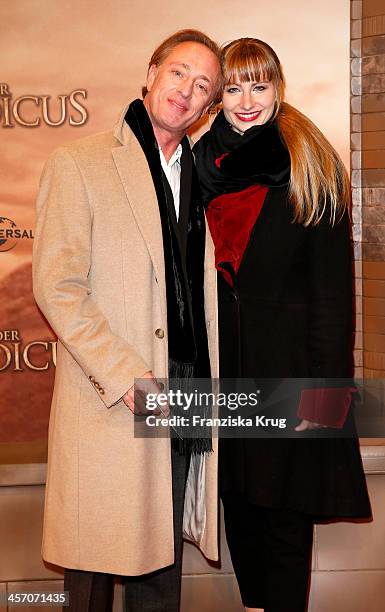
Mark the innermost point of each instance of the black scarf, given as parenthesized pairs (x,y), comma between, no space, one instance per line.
(228,162)
(186,326)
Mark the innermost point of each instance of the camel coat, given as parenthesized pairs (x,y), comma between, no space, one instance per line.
(99,279)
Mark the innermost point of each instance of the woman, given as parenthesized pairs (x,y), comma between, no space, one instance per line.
(277,204)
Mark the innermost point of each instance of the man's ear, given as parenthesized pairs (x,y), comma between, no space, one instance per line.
(152,72)
(207,108)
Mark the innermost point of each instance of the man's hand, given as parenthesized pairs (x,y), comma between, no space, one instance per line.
(135,398)
(305,425)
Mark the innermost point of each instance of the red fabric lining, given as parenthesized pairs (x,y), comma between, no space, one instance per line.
(219,159)
(231,218)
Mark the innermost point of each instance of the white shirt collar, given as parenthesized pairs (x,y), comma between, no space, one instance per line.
(175,157)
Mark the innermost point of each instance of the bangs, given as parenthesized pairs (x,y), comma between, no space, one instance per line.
(249,62)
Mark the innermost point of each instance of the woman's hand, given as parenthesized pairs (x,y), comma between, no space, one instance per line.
(305,424)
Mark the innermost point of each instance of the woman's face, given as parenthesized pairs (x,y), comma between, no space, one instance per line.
(248,104)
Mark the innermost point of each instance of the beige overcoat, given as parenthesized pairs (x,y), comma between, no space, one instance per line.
(99,279)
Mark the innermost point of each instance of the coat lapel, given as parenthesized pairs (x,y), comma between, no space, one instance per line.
(136,178)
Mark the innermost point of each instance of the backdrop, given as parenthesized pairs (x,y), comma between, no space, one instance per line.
(67,69)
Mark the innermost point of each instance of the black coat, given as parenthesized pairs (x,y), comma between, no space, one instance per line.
(289,314)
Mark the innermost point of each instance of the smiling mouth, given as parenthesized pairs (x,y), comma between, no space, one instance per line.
(177,105)
(248,116)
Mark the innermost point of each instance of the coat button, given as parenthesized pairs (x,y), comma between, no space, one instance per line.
(159,333)
(233,297)
(91,378)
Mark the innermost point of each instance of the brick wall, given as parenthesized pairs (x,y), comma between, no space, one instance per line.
(368,180)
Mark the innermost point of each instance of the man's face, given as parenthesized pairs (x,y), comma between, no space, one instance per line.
(181,88)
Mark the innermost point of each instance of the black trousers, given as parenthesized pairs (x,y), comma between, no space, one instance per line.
(155,592)
(271,554)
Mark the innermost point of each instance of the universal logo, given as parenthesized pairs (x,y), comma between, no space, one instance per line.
(10,234)
(32,111)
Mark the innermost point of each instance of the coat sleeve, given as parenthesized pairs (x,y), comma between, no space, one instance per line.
(61,265)
(330,324)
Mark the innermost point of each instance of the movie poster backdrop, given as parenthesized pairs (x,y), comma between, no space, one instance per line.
(67,69)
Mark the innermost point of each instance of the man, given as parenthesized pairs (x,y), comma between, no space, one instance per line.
(119,274)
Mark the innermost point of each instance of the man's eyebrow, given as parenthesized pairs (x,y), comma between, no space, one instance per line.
(188,68)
